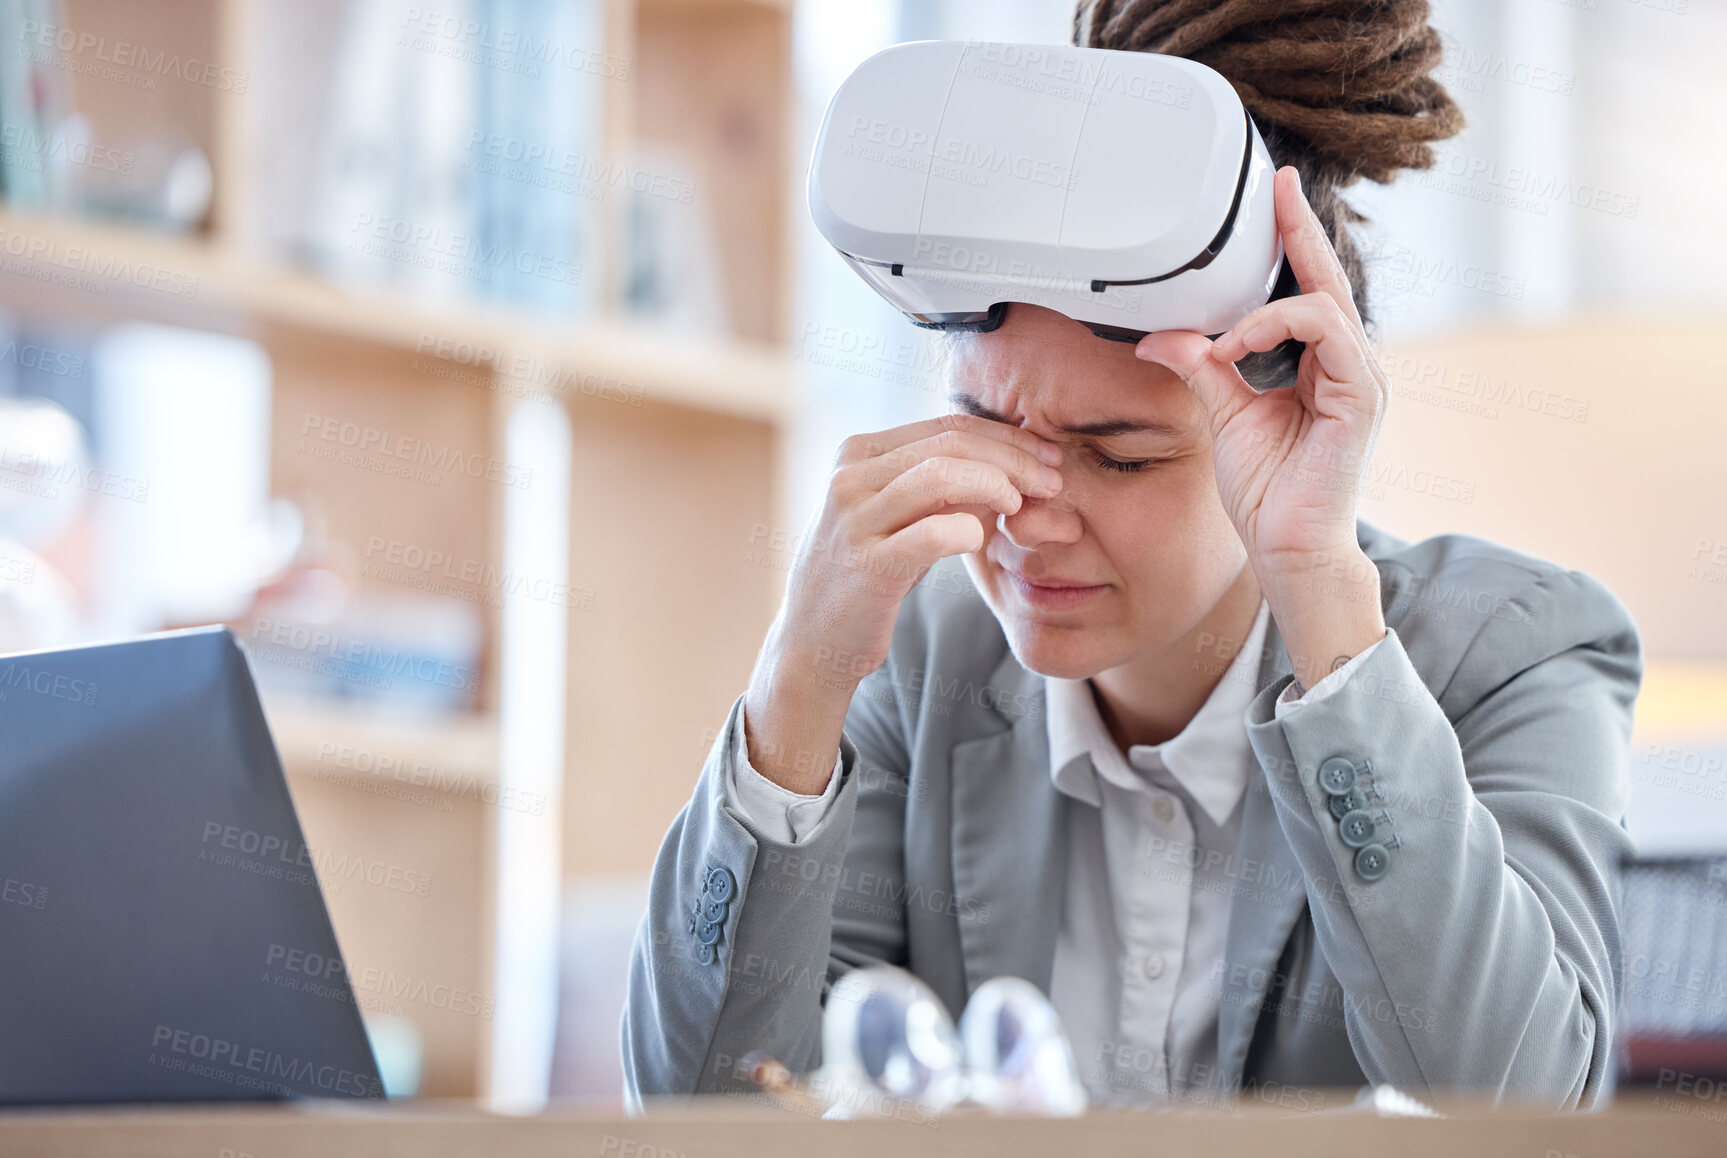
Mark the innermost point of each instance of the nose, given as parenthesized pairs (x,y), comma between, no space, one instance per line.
(1040,521)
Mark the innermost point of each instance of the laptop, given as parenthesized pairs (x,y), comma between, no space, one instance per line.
(162,933)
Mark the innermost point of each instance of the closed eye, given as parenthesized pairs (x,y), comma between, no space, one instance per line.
(1124,465)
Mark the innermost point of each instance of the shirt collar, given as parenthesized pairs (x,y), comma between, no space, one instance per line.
(1206,756)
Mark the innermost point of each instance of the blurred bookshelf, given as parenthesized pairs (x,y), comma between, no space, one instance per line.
(744,378)
(666,356)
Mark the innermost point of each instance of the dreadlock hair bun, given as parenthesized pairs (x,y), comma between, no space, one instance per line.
(1346,81)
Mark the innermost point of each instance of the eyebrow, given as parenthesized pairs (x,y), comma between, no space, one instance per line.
(1101,429)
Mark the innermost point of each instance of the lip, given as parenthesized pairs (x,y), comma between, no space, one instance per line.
(1053,593)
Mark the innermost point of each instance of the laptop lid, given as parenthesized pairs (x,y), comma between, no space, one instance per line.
(162,933)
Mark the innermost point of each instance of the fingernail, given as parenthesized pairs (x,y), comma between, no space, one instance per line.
(1051,479)
(1049,452)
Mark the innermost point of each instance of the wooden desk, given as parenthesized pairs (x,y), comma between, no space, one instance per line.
(1638,1125)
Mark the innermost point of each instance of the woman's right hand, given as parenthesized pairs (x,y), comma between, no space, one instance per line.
(898,501)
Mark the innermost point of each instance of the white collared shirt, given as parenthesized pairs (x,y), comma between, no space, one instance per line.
(1138,945)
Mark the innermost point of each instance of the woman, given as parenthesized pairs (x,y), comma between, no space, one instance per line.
(1264,797)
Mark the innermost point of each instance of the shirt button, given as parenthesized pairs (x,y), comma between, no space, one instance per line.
(1165,809)
(1154,966)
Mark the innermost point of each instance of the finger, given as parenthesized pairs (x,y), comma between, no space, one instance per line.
(1025,471)
(935,537)
(1308,247)
(859,447)
(933,485)
(1220,387)
(1314,320)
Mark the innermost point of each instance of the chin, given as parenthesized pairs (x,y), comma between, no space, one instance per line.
(1061,652)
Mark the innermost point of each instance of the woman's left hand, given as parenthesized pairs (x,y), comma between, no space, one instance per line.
(1289,461)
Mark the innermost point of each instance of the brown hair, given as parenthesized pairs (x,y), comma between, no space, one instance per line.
(1339,89)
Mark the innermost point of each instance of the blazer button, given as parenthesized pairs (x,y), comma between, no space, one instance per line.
(715,912)
(706,955)
(1356,828)
(1337,775)
(1371,861)
(708,933)
(722,885)
(1346,803)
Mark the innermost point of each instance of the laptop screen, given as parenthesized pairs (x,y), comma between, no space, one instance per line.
(162,932)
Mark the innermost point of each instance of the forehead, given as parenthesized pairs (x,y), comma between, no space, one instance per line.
(1046,368)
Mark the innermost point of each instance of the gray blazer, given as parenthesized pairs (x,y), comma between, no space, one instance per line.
(1489,735)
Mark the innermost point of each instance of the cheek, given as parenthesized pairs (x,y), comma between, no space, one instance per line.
(1133,515)
(1168,536)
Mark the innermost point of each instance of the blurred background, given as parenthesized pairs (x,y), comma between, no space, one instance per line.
(477,362)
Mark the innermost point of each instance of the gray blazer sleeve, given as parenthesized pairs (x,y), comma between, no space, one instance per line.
(691,1017)
(1487,957)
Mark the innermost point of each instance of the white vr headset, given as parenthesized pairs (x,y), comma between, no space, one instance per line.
(1129,191)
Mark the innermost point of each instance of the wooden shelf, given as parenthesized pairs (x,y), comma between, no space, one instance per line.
(457,755)
(664,500)
(739,378)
